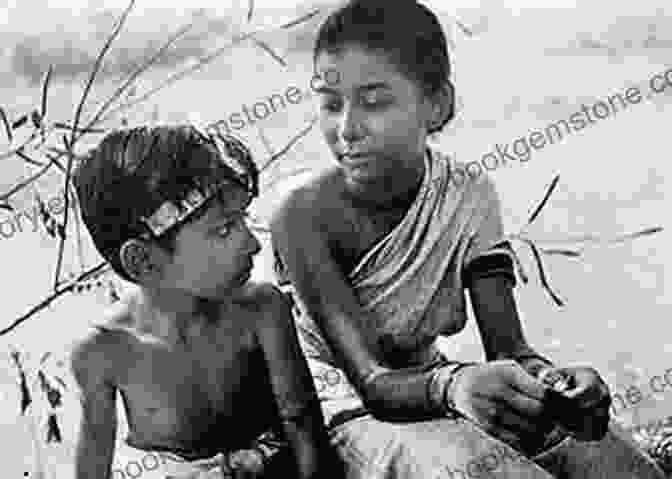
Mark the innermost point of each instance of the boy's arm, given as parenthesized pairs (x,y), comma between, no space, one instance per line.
(98,424)
(293,388)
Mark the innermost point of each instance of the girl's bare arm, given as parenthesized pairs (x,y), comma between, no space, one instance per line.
(292,383)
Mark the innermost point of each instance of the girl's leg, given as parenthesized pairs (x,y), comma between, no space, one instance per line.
(437,449)
(614,457)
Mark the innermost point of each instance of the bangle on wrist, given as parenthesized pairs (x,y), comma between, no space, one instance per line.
(439,385)
(522,359)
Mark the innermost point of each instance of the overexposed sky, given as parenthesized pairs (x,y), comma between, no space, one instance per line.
(227,5)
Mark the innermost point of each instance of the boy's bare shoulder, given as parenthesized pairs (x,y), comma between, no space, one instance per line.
(270,309)
(104,342)
(262,297)
(315,202)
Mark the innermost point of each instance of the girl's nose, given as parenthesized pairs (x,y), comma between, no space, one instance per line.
(350,125)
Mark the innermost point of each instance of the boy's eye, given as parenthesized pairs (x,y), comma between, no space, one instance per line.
(331,104)
(224,230)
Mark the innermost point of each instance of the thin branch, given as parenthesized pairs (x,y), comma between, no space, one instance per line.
(138,71)
(542,272)
(19,122)
(61,244)
(591,238)
(467,31)
(544,200)
(250,10)
(65,126)
(50,299)
(203,61)
(69,145)
(180,74)
(562,252)
(5,122)
(267,48)
(301,19)
(289,145)
(28,159)
(45,91)
(96,67)
(264,139)
(23,184)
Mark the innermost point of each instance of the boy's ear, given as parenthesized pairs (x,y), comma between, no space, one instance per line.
(443,106)
(139,259)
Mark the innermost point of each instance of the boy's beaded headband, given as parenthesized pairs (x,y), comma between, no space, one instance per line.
(234,154)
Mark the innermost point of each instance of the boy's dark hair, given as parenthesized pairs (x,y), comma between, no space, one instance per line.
(408,33)
(133,172)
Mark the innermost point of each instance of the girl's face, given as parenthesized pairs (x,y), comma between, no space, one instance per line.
(375,120)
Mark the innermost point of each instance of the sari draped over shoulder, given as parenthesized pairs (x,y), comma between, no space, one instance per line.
(410,283)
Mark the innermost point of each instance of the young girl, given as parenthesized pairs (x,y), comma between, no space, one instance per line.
(380,250)
(204,361)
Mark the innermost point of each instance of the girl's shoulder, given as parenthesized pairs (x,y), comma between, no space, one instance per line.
(468,179)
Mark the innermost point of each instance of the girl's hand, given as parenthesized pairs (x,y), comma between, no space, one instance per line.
(246,464)
(583,407)
(504,400)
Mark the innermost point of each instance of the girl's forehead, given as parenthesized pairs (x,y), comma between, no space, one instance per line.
(354,61)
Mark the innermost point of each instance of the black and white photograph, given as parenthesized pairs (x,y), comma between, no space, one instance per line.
(357,239)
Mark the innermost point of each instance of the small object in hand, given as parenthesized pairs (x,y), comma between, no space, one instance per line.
(583,426)
(555,379)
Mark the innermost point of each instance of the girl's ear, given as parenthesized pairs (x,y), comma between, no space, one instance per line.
(443,107)
(138,259)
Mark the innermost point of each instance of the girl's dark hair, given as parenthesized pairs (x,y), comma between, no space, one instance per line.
(408,33)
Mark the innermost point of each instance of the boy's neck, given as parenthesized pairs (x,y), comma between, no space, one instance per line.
(171,315)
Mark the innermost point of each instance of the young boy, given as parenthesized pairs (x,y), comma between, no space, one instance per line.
(204,361)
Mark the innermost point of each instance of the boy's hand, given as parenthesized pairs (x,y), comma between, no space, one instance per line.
(505,400)
(583,406)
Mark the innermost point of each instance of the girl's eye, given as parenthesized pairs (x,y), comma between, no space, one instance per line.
(373,99)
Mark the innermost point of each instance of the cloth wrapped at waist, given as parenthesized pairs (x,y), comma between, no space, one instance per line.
(266,455)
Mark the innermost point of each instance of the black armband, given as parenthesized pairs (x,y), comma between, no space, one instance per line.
(486,266)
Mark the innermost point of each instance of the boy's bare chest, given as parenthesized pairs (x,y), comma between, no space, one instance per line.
(183,395)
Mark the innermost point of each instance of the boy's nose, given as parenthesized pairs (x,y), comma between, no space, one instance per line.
(253,244)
